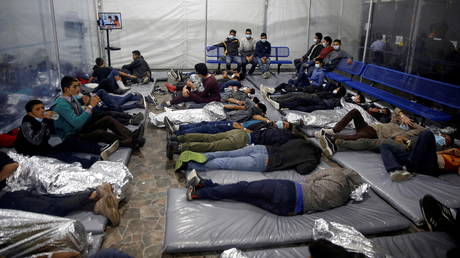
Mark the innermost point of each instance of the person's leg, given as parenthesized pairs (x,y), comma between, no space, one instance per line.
(179,99)
(364,144)
(253,66)
(244,63)
(238,61)
(393,158)
(75,144)
(97,131)
(259,62)
(422,158)
(201,137)
(267,64)
(211,128)
(251,162)
(246,151)
(230,140)
(228,62)
(297,64)
(69,157)
(363,130)
(110,102)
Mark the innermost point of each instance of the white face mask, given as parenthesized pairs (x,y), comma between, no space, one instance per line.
(317,65)
(231,36)
(263,40)
(324,44)
(248,36)
(335,91)
(315,41)
(336,47)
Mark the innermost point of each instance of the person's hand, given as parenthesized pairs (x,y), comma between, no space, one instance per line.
(185,92)
(250,58)
(225,74)
(374,110)
(349,61)
(133,76)
(49,114)
(264,60)
(190,84)
(94,101)
(85,99)
(405,120)
(401,139)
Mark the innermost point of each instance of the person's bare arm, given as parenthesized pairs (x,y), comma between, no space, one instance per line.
(126,75)
(91,79)
(8,169)
(234,107)
(261,118)
(235,101)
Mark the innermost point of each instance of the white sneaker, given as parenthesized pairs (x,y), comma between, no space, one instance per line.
(105,154)
(274,103)
(267,89)
(400,175)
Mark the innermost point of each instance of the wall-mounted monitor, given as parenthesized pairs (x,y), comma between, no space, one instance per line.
(109,21)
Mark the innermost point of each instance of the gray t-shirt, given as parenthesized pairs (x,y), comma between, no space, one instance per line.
(241,116)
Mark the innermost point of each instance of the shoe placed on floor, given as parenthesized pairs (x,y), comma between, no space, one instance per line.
(170,87)
(155,102)
(107,206)
(191,193)
(138,143)
(193,178)
(274,103)
(173,74)
(163,105)
(169,126)
(136,119)
(109,149)
(327,143)
(187,156)
(172,147)
(400,175)
(142,103)
(438,217)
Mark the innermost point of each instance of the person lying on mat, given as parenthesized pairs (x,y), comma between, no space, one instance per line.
(222,126)
(228,78)
(383,115)
(420,157)
(100,200)
(401,126)
(321,190)
(299,154)
(230,140)
(251,110)
(237,95)
(211,91)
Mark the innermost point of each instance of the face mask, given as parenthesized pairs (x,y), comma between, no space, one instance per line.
(440,140)
(248,36)
(263,40)
(233,76)
(39,119)
(404,127)
(279,124)
(317,65)
(335,91)
(355,99)
(315,41)
(336,47)
(324,44)
(231,37)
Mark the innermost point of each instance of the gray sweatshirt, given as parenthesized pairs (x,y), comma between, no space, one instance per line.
(247,47)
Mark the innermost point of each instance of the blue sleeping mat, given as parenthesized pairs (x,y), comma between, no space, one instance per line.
(219,225)
(404,196)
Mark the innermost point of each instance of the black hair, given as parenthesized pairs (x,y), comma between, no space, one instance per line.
(325,249)
(256,100)
(328,39)
(319,60)
(362,99)
(263,34)
(319,35)
(342,91)
(201,69)
(338,41)
(233,31)
(99,61)
(136,52)
(262,107)
(66,82)
(30,105)
(110,17)
(378,35)
(252,91)
(116,18)
(248,30)
(387,111)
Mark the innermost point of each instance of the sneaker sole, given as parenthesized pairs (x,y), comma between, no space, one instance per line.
(400,178)
(111,149)
(325,147)
(424,215)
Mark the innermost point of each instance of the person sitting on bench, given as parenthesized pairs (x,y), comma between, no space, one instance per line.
(322,190)
(75,121)
(230,140)
(327,48)
(101,200)
(334,57)
(35,132)
(247,50)
(299,154)
(307,102)
(421,157)
(231,45)
(399,128)
(210,93)
(107,77)
(138,68)
(262,55)
(312,52)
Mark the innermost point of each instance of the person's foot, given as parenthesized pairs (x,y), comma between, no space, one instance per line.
(191,193)
(327,143)
(172,147)
(438,217)
(109,149)
(104,189)
(163,105)
(136,119)
(138,133)
(169,126)
(274,103)
(107,206)
(400,175)
(323,131)
(193,178)
(145,80)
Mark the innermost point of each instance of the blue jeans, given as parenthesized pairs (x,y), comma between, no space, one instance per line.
(223,85)
(205,127)
(263,67)
(230,59)
(421,158)
(301,82)
(118,103)
(274,195)
(249,158)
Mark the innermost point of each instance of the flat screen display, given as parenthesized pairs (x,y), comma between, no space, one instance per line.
(109,21)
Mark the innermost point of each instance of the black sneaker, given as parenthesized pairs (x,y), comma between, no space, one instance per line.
(169,126)
(193,178)
(191,193)
(137,119)
(138,133)
(172,147)
(438,217)
(142,103)
(327,143)
(138,143)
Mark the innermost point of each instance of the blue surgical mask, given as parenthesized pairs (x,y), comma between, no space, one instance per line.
(39,119)
(440,140)
(263,40)
(279,124)
(248,36)
(404,127)
(336,47)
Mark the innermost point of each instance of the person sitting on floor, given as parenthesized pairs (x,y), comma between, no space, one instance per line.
(262,55)
(312,52)
(299,154)
(231,45)
(322,190)
(75,121)
(307,102)
(398,129)
(421,157)
(211,91)
(230,140)
(101,200)
(35,132)
(138,68)
(107,77)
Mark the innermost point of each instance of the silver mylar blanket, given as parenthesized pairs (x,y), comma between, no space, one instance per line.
(213,111)
(50,176)
(30,234)
(328,118)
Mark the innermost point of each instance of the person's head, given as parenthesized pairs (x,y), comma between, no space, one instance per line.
(438,30)
(136,54)
(100,61)
(262,107)
(201,69)
(283,124)
(443,140)
(35,108)
(248,33)
(319,63)
(232,34)
(323,248)
(70,86)
(336,44)
(327,41)
(318,37)
(359,98)
(249,91)
(340,91)
(263,36)
(116,18)
(256,100)
(379,36)
(110,18)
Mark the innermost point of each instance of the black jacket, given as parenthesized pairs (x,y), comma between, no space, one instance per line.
(230,46)
(271,136)
(299,154)
(313,52)
(33,136)
(138,67)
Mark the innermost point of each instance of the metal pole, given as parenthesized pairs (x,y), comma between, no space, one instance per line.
(53,24)
(308,21)
(367,31)
(416,16)
(98,33)
(206,31)
(339,28)
(265,16)
(108,49)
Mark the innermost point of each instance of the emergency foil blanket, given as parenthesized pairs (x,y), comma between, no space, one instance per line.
(213,111)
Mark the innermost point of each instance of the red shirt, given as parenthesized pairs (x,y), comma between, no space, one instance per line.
(325,52)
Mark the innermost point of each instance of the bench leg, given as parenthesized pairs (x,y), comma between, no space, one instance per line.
(218,67)
(279,68)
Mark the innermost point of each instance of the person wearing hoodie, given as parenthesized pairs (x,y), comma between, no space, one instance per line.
(263,52)
(247,51)
(138,67)
(322,190)
(231,45)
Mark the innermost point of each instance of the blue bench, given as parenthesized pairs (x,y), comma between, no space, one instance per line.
(354,69)
(439,92)
(276,54)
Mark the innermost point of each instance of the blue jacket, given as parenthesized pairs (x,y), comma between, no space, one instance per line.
(317,77)
(263,49)
(69,122)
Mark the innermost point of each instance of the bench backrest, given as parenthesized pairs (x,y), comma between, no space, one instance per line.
(440,92)
(276,52)
(355,68)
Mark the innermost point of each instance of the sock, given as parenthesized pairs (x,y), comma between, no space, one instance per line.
(121,86)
